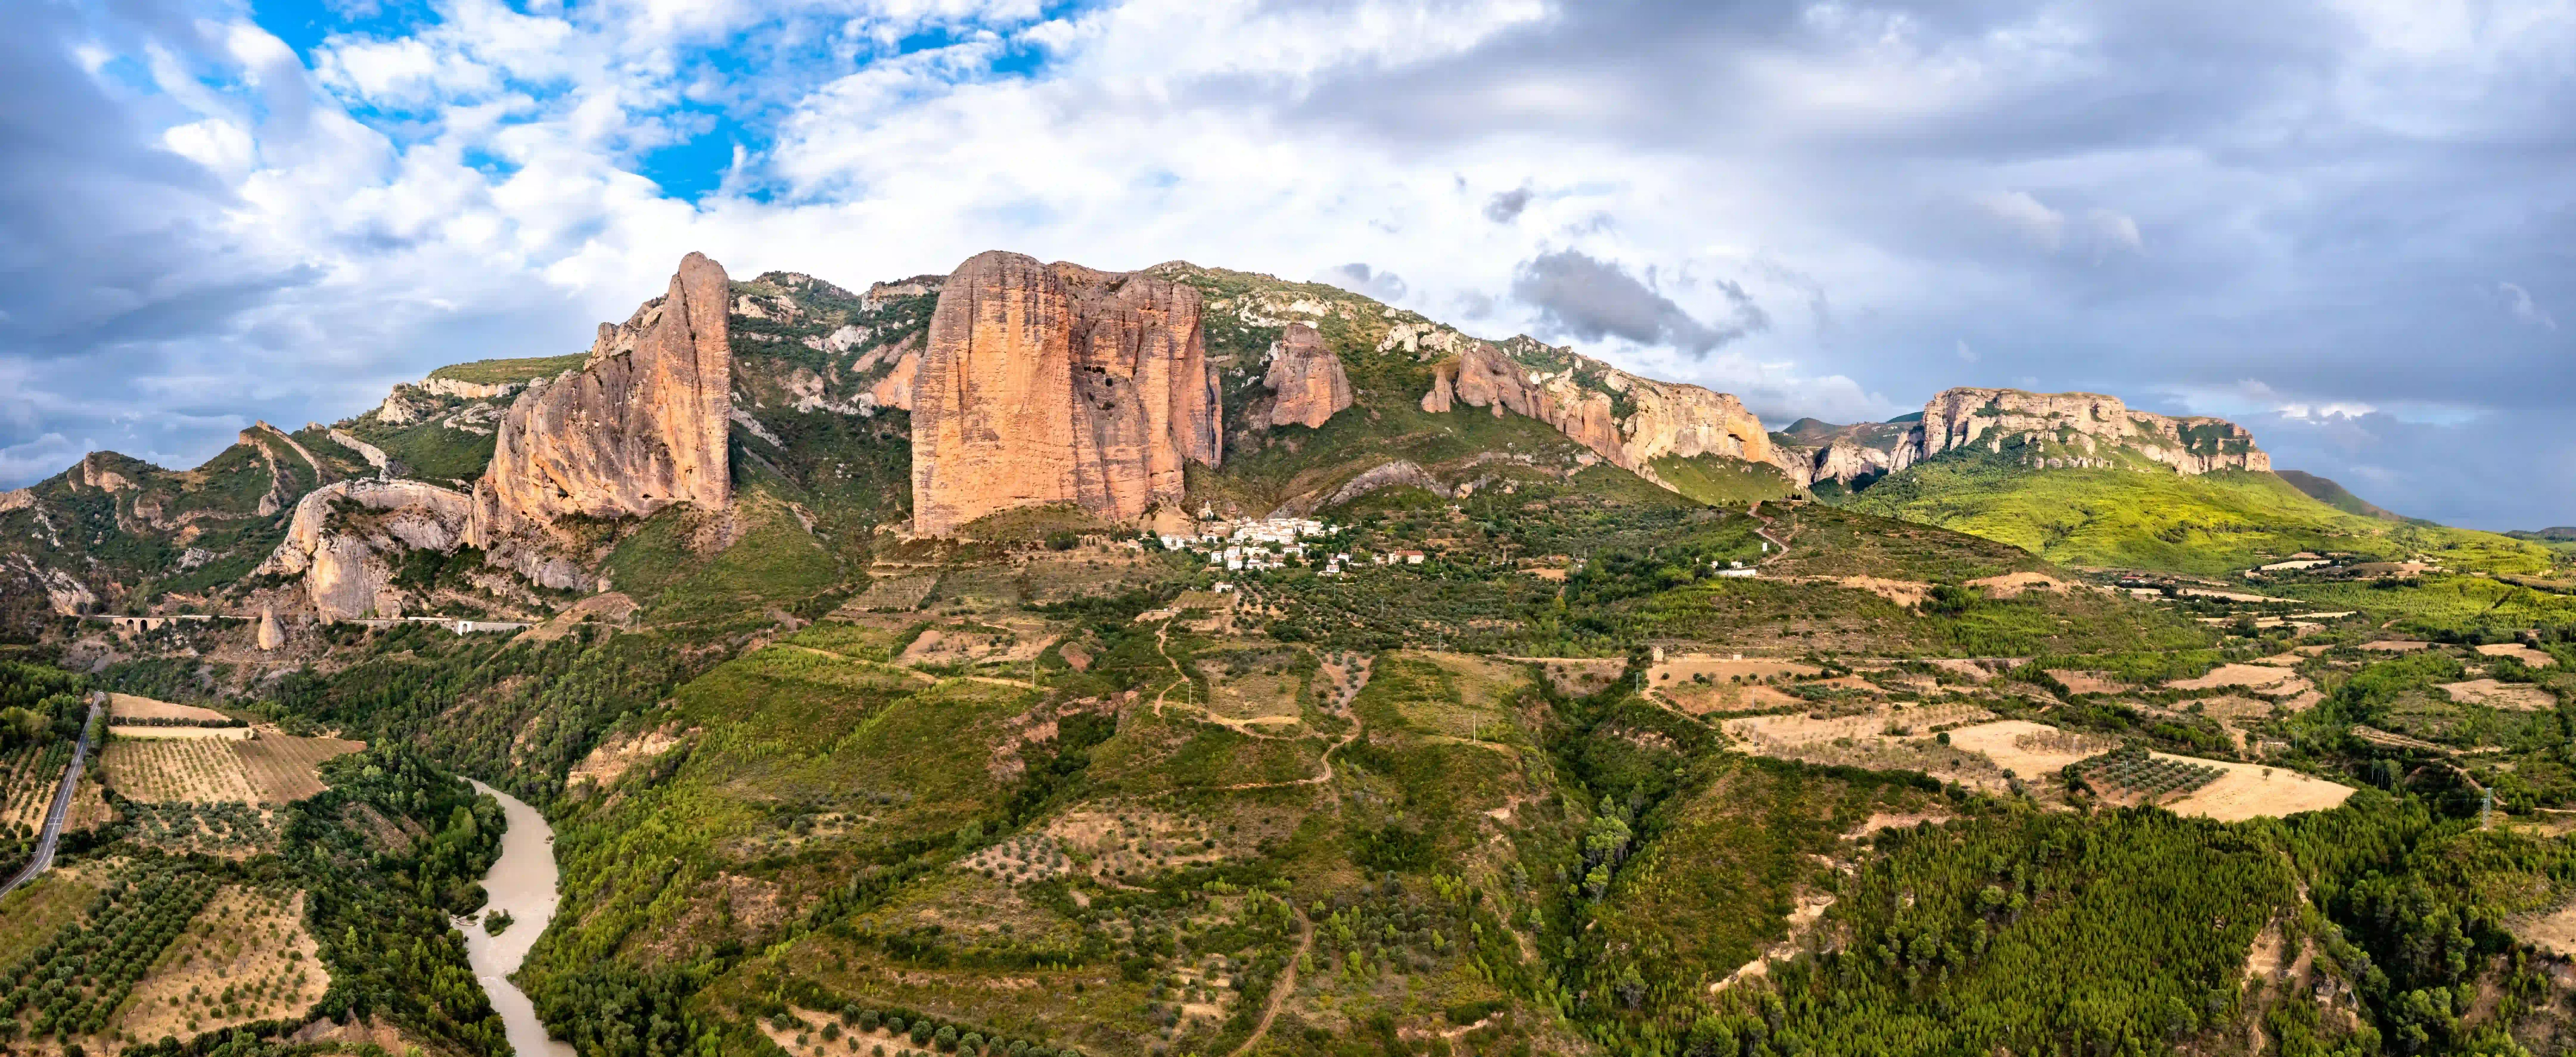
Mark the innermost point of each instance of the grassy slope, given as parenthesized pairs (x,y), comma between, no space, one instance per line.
(2325,490)
(496,372)
(1720,480)
(2209,524)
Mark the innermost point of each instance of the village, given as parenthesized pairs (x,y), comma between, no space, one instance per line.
(1259,544)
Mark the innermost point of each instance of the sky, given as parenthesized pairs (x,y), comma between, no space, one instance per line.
(2350,226)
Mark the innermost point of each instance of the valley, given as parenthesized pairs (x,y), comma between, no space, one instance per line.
(1045,660)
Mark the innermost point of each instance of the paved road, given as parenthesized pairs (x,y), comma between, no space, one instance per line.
(62,808)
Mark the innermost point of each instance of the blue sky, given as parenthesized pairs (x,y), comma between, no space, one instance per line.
(2344,224)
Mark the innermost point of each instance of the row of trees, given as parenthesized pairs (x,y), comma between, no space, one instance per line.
(74,982)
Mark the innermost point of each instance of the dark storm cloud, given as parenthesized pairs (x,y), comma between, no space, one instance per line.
(1592,299)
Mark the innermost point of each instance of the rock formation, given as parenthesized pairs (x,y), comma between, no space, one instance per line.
(1307,377)
(2037,430)
(271,636)
(2056,425)
(641,426)
(1058,384)
(348,561)
(1582,397)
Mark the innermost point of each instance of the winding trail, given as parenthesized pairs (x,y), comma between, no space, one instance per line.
(1287,984)
(61,810)
(1356,730)
(1779,544)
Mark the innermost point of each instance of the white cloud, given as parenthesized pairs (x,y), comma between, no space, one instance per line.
(2518,302)
(2115,230)
(2321,412)
(2027,217)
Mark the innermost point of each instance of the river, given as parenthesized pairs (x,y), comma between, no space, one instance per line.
(522,882)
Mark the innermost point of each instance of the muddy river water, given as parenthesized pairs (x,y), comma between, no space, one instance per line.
(521,882)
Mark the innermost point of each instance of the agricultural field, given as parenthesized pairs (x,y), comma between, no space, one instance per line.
(122,708)
(31,916)
(284,768)
(1881,737)
(73,986)
(28,778)
(177,770)
(244,958)
(232,830)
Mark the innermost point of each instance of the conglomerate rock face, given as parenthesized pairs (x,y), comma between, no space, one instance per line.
(641,426)
(1055,383)
(1308,380)
(2036,430)
(2087,422)
(1664,418)
(348,562)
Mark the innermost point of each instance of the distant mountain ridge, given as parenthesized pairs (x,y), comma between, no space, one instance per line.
(1140,399)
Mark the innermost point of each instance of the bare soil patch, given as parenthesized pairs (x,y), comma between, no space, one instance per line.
(2028,749)
(619,753)
(607,607)
(2087,682)
(178,770)
(2515,697)
(2260,678)
(1972,671)
(1896,820)
(2554,932)
(184,733)
(1882,738)
(128,706)
(2233,706)
(2012,585)
(1722,698)
(286,769)
(2530,658)
(2397,646)
(1905,593)
(2250,790)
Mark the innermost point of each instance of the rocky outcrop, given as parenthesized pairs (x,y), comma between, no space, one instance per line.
(1583,398)
(1058,384)
(2081,429)
(345,537)
(2035,430)
(271,636)
(895,389)
(641,426)
(375,456)
(1308,380)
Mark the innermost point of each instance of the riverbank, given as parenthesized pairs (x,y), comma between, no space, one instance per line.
(522,884)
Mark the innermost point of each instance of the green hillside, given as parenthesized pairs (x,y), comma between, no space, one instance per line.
(2325,490)
(2207,524)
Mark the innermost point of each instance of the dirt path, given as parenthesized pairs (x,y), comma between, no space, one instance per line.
(1327,775)
(916,673)
(1779,545)
(1287,983)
